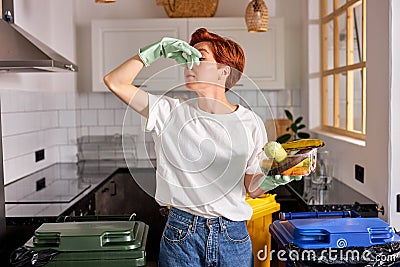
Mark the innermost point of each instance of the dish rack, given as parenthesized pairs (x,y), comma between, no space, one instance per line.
(107,149)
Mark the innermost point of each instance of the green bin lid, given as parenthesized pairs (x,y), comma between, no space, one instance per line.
(90,236)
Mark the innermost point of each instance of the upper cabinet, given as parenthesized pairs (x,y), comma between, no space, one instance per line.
(114,41)
(264,51)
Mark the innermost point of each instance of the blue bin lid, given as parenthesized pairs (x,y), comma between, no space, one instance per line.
(333,232)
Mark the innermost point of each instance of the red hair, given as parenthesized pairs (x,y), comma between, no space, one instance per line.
(225,51)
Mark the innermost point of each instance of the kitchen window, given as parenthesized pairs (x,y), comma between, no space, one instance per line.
(343,63)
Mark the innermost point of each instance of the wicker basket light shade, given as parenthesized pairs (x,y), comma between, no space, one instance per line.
(105,1)
(257,16)
(189,8)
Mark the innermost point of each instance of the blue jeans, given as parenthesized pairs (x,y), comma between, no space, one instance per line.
(194,241)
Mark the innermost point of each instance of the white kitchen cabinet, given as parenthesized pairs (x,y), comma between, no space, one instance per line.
(114,41)
(264,51)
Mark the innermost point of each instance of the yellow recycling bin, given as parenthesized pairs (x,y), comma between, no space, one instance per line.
(258,227)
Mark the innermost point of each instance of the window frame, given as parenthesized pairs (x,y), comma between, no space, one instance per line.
(337,69)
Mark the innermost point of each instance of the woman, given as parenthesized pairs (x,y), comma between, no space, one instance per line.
(208,151)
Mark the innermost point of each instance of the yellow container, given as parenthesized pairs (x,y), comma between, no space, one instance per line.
(258,227)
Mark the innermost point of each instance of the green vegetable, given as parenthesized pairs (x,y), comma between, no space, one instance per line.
(275,151)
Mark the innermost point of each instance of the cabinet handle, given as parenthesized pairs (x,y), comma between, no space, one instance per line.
(105,190)
(114,193)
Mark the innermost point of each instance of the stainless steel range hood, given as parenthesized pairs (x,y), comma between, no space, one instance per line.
(21,52)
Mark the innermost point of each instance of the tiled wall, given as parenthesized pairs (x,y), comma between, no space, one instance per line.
(33,121)
(53,121)
(103,113)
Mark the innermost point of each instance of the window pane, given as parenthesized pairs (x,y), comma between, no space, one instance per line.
(343,39)
(343,98)
(341,3)
(330,100)
(357,100)
(357,33)
(330,45)
(329,6)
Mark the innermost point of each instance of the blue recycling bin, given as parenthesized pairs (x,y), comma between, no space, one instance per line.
(323,238)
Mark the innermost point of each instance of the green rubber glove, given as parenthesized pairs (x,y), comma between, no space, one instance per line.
(271,182)
(173,48)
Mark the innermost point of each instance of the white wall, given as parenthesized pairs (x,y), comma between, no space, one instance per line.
(374,155)
(394,149)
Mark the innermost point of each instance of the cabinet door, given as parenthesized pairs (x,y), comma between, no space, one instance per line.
(264,51)
(110,197)
(114,41)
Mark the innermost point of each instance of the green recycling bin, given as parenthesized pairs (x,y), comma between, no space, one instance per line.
(97,244)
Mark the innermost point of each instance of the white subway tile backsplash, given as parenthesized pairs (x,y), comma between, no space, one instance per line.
(71,100)
(72,135)
(68,153)
(83,101)
(106,117)
(32,101)
(67,118)
(267,98)
(8,103)
(19,145)
(97,130)
(56,136)
(132,118)
(24,165)
(84,131)
(119,116)
(111,101)
(54,101)
(17,168)
(96,101)
(296,97)
(89,117)
(48,119)
(111,130)
(21,122)
(78,114)
(284,98)
(52,155)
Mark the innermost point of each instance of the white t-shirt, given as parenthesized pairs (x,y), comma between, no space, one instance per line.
(202,157)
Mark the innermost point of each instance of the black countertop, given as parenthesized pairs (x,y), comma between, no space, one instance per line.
(335,192)
(334,196)
(65,185)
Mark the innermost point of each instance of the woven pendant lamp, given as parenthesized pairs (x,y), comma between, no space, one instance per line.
(105,1)
(257,16)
